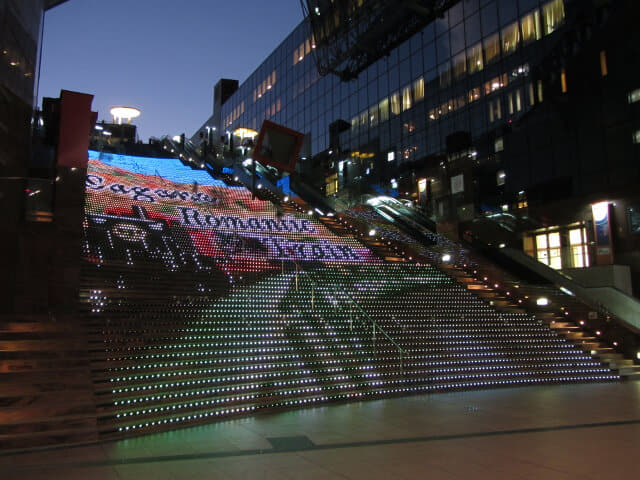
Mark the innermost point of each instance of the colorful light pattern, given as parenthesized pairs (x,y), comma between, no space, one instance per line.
(194,315)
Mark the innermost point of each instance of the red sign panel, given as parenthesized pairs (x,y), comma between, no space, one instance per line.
(76,122)
(278,146)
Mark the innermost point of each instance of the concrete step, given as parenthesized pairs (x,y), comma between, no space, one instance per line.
(631,372)
(562,326)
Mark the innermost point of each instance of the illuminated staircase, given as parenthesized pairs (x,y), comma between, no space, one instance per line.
(178,339)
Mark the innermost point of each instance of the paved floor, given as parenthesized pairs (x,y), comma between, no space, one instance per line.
(548,432)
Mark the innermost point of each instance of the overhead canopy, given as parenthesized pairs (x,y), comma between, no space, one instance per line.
(52,3)
(350,35)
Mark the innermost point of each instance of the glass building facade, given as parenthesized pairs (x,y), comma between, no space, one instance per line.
(523,107)
(465,71)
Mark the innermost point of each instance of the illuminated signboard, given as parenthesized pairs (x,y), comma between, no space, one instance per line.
(158,209)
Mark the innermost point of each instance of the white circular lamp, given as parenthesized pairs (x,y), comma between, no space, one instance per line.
(124,114)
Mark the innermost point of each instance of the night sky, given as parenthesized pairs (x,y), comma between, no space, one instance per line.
(162,56)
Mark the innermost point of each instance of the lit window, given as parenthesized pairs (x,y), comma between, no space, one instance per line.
(604,69)
(495,84)
(418,89)
(634,96)
(354,122)
(474,94)
(474,58)
(373,116)
(364,118)
(510,38)
(552,15)
(395,103)
(578,244)
(459,65)
(541,249)
(406,98)
(332,184)
(510,103)
(501,177)
(540,92)
(548,249)
(498,146)
(531,27)
(492,48)
(563,80)
(531,95)
(555,259)
(384,109)
(636,136)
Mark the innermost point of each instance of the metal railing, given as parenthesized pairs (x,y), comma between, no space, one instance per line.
(339,291)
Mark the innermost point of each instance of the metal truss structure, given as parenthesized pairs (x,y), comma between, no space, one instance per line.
(350,35)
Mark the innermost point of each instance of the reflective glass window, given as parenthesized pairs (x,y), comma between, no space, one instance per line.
(429,56)
(530,24)
(492,48)
(474,58)
(373,116)
(444,74)
(418,89)
(552,15)
(470,6)
(510,38)
(472,29)
(383,106)
(395,103)
(457,39)
(507,10)
(459,65)
(489,18)
(406,98)
(443,48)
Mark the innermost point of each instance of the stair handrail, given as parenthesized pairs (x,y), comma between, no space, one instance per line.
(375,324)
(585,294)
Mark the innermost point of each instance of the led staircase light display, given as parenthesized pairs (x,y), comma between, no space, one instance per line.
(204,303)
